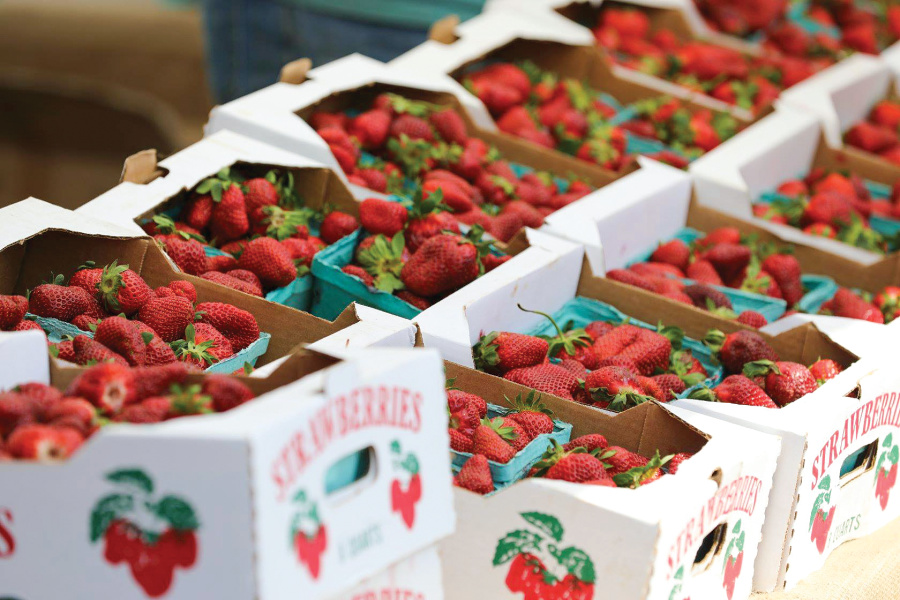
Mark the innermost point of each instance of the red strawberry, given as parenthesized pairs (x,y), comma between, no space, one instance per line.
(737,349)
(156,380)
(27,326)
(492,261)
(535,418)
(677,460)
(886,113)
(373,179)
(41,442)
(519,438)
(302,251)
(829,208)
(12,310)
(459,441)
(203,345)
(336,225)
(871,137)
(703,271)
(410,298)
(752,318)
(122,290)
(233,282)
(493,440)
(107,386)
(649,351)
(85,322)
(184,288)
(847,304)
(65,350)
(77,413)
(226,392)
(443,263)
(88,351)
(503,351)
(615,388)
(785,381)
(736,389)
(728,259)
(630,278)
(431,224)
(122,337)
(547,378)
(450,126)
(670,385)
(15,410)
(628,22)
(590,442)
(453,195)
(151,410)
(221,263)
(825,369)
(576,467)
(238,325)
(674,252)
(168,317)
(785,270)
(269,261)
(475,475)
(412,127)
(621,460)
(382,217)
(198,212)
(371,128)
(359,272)
(229,217)
(260,192)
(189,255)
(58,301)
(615,341)
(597,329)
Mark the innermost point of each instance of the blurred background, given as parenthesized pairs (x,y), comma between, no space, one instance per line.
(85,83)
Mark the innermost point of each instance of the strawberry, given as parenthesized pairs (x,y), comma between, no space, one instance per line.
(156,380)
(43,443)
(382,216)
(465,419)
(615,388)
(620,460)
(357,271)
(336,225)
(260,192)
(238,325)
(674,252)
(535,418)
(371,178)
(122,290)
(371,128)
(829,208)
(676,461)
(412,299)
(450,126)
(887,114)
(453,195)
(65,350)
(302,252)
(547,378)
(198,212)
(122,337)
(793,188)
(233,282)
(168,317)
(475,476)
(752,318)
(188,255)
(443,263)
(12,311)
(785,381)
(226,392)
(457,399)
(270,261)
(459,441)
(504,351)
(707,297)
(824,369)
(412,127)
(221,263)
(577,467)
(847,304)
(785,270)
(491,261)
(184,289)
(630,278)
(150,410)
(159,353)
(77,413)
(519,438)
(615,341)
(703,271)
(107,386)
(15,410)
(871,137)
(670,385)
(574,344)
(728,259)
(88,351)
(246,276)
(736,389)
(650,352)
(229,217)
(58,301)
(590,442)
(202,346)
(493,440)
(27,326)
(737,349)
(597,329)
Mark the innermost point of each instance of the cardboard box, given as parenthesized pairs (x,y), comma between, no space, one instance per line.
(786,145)
(418,577)
(679,16)
(556,44)
(276,114)
(23,356)
(252,484)
(673,538)
(37,238)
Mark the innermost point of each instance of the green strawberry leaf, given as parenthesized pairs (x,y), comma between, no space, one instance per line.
(578,563)
(132,478)
(548,524)
(177,513)
(107,510)
(514,543)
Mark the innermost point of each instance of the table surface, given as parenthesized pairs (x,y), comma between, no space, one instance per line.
(864,569)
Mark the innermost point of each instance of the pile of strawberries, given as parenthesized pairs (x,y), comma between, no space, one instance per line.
(259,223)
(755,375)
(864,29)
(419,254)
(723,257)
(879,133)
(603,365)
(39,422)
(403,146)
(833,205)
(750,82)
(569,116)
(588,459)
(132,323)
(884,307)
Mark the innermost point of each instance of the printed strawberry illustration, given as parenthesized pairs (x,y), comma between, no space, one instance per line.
(309,537)
(886,470)
(403,500)
(538,568)
(734,559)
(153,536)
(821,517)
(675,593)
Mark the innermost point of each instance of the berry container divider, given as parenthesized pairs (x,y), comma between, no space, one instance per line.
(580,311)
(252,513)
(527,457)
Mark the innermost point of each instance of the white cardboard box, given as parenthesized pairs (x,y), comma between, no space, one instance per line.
(418,577)
(252,478)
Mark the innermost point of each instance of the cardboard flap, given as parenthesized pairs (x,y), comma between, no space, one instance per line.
(442,30)
(141,167)
(295,72)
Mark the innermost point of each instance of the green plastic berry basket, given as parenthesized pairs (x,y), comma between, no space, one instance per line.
(580,311)
(770,308)
(527,457)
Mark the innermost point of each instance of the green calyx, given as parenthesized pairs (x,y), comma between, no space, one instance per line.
(215,186)
(282,224)
(415,108)
(383,260)
(619,402)
(484,352)
(189,401)
(720,311)
(507,433)
(760,368)
(422,206)
(189,348)
(714,340)
(634,478)
(703,393)
(166,226)
(111,282)
(675,335)
(552,455)
(530,403)
(566,342)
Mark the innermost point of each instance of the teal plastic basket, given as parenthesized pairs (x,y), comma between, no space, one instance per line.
(580,311)
(334,290)
(770,308)
(527,457)
(819,289)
